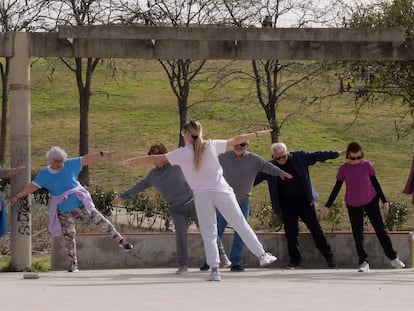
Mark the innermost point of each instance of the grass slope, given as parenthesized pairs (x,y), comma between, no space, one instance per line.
(136,107)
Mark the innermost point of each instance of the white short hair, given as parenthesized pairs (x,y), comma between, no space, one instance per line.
(55,153)
(278,147)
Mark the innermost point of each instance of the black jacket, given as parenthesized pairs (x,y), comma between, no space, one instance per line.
(300,160)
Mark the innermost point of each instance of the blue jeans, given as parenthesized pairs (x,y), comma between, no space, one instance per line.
(236,254)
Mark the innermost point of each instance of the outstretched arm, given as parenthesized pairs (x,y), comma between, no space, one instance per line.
(156,159)
(271,169)
(9,172)
(134,190)
(30,188)
(92,157)
(245,137)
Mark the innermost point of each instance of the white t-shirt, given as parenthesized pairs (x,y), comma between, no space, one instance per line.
(209,177)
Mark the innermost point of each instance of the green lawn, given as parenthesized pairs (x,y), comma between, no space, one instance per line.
(136,107)
(40,263)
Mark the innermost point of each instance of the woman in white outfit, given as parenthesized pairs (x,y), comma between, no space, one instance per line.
(199,162)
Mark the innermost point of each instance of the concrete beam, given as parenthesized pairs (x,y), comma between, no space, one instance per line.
(396,34)
(51,45)
(207,43)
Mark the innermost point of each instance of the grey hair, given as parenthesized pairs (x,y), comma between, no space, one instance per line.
(278,147)
(56,153)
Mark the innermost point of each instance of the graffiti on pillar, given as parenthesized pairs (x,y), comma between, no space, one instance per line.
(23,215)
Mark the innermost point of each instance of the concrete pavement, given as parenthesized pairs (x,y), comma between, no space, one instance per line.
(254,289)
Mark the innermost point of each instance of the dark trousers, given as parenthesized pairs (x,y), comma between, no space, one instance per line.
(292,210)
(356,217)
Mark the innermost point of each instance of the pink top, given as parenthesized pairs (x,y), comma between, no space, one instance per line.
(359,189)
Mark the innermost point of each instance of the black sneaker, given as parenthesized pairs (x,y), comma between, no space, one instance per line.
(125,245)
(237,268)
(331,263)
(294,265)
(204,267)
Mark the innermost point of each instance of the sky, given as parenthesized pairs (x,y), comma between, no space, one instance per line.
(292,18)
(331,8)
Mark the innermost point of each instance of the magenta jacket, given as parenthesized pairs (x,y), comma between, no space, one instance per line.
(409,187)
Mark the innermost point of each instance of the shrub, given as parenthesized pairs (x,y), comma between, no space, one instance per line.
(146,208)
(336,216)
(267,219)
(102,199)
(397,216)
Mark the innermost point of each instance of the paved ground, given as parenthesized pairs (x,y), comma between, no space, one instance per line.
(254,289)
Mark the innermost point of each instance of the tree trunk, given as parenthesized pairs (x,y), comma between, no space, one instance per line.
(4,109)
(182,110)
(84,135)
(84,99)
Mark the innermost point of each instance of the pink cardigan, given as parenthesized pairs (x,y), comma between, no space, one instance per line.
(81,193)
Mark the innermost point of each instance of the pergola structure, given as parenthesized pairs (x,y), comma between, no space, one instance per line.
(388,44)
(216,43)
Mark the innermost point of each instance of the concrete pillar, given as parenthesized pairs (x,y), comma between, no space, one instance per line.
(19,96)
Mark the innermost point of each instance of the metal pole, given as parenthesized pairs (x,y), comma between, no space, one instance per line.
(19,95)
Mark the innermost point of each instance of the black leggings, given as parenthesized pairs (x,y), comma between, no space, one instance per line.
(356,217)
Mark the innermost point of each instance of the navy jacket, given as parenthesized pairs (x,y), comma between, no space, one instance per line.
(300,160)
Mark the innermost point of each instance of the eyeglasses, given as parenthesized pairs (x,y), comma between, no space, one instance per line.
(241,145)
(356,158)
(281,157)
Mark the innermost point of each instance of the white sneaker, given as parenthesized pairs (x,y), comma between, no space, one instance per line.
(364,267)
(397,263)
(224,261)
(214,276)
(73,268)
(181,270)
(267,259)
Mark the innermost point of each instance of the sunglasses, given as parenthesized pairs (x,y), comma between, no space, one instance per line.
(356,158)
(281,157)
(242,145)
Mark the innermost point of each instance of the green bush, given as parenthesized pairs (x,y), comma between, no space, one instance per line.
(102,199)
(397,216)
(337,216)
(146,208)
(267,219)
(40,263)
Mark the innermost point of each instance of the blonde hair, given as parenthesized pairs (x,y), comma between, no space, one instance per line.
(195,129)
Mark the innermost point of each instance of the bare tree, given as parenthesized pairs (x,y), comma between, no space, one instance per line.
(175,13)
(374,82)
(81,13)
(274,79)
(15,16)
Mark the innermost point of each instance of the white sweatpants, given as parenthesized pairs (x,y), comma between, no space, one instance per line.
(206,204)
